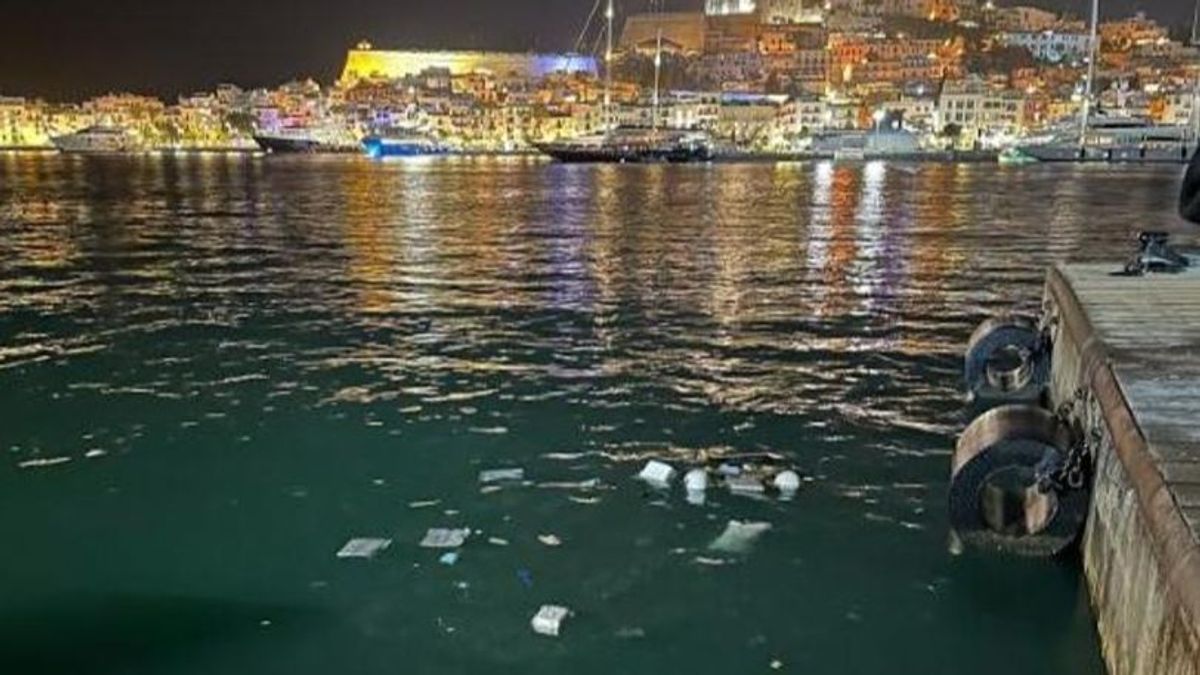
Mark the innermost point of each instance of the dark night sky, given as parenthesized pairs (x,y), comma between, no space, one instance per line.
(68,49)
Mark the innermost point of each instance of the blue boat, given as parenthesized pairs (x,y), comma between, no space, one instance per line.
(378,146)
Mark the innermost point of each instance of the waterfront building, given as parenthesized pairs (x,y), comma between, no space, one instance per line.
(978,110)
(1125,34)
(1049,45)
(729,7)
(366,63)
(1025,19)
(686,30)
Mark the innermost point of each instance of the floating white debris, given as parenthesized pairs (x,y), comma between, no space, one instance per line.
(738,537)
(449,558)
(497,541)
(711,562)
(590,484)
(502,475)
(549,620)
(656,473)
(95,452)
(50,461)
(549,540)
(489,489)
(364,547)
(424,504)
(787,482)
(438,537)
(776,664)
(745,485)
(584,500)
(696,480)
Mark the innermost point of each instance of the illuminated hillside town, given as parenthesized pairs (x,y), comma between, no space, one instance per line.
(771,77)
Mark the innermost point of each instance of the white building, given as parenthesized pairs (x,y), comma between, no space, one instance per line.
(1049,45)
(978,110)
(728,7)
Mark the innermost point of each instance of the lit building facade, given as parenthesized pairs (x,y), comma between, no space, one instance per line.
(729,7)
(366,63)
(1050,46)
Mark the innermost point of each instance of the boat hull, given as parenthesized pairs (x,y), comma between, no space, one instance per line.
(574,154)
(300,146)
(379,148)
(1135,154)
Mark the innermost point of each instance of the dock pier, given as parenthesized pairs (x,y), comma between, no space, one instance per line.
(1128,348)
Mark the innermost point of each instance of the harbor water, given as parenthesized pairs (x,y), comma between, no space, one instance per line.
(215,371)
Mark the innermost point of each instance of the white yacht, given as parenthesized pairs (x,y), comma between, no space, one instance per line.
(97,140)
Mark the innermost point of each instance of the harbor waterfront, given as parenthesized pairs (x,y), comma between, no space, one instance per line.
(216,370)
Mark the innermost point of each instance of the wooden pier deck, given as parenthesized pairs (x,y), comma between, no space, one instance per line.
(1133,345)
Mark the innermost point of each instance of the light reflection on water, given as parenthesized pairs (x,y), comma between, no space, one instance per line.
(248,361)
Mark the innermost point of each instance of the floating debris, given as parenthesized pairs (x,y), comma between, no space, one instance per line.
(549,620)
(94,453)
(745,485)
(489,489)
(549,540)
(696,484)
(776,664)
(364,547)
(449,558)
(525,577)
(630,632)
(590,484)
(739,537)
(497,541)
(513,475)
(712,562)
(788,483)
(49,461)
(584,500)
(424,504)
(438,537)
(657,474)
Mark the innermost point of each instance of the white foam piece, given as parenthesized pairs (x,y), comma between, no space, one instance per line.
(745,485)
(739,536)
(787,482)
(656,473)
(363,547)
(439,537)
(502,475)
(549,620)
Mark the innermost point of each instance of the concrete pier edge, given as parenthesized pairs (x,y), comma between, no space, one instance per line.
(1143,629)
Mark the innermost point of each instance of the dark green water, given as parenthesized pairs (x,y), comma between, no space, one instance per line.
(248,362)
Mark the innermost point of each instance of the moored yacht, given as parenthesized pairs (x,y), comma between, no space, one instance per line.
(97,140)
(633,145)
(1113,139)
(307,140)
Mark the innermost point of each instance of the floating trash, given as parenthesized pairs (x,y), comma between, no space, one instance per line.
(590,484)
(525,577)
(449,559)
(696,484)
(658,474)
(549,540)
(365,547)
(584,500)
(424,504)
(513,475)
(497,541)
(712,562)
(445,538)
(745,485)
(549,620)
(788,483)
(739,537)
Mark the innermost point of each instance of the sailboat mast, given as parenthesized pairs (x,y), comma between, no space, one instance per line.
(1093,50)
(608,57)
(657,75)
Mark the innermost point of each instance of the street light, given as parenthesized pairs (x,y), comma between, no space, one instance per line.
(878,116)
